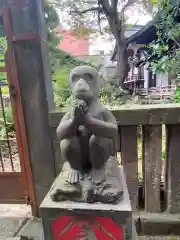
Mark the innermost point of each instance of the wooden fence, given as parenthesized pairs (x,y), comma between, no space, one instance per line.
(157,92)
(147,126)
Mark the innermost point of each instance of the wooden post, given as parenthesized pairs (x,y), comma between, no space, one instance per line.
(26,39)
(152,158)
(173,168)
(130,161)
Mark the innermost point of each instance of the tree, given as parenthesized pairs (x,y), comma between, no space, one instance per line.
(165,51)
(52,21)
(109,15)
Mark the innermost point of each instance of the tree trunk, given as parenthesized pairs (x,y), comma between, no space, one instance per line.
(117,29)
(122,63)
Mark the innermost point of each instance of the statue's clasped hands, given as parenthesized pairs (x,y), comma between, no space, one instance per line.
(80,111)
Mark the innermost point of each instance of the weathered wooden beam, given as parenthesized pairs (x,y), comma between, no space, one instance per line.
(26,21)
(137,115)
(10,3)
(129,160)
(173,169)
(33,93)
(32,73)
(152,153)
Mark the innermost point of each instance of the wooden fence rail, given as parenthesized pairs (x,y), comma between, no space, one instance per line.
(147,126)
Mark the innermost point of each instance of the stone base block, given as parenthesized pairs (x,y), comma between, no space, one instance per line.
(71,220)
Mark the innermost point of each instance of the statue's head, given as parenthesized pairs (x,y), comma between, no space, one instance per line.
(85,83)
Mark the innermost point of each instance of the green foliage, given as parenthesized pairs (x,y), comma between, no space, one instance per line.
(164,155)
(165,50)
(9,121)
(60,58)
(62,63)
(177,95)
(52,21)
(3,75)
(3,48)
(111,95)
(60,87)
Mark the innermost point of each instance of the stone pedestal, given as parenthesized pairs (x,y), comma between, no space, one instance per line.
(77,221)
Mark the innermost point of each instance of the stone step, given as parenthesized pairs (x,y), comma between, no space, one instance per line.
(160,224)
(159,238)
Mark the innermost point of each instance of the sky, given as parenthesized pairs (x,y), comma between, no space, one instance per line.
(100,44)
(138,17)
(135,16)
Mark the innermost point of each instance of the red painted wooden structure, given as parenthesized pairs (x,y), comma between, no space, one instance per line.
(94,228)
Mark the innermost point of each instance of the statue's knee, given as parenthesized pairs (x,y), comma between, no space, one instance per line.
(99,141)
(70,146)
(94,141)
(66,146)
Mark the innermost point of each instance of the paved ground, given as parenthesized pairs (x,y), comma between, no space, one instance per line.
(140,238)
(12,227)
(159,238)
(13,210)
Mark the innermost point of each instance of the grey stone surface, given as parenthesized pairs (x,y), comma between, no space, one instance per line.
(32,229)
(9,226)
(122,206)
(9,238)
(160,224)
(121,213)
(87,135)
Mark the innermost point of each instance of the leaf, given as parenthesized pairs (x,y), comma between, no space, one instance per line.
(154,1)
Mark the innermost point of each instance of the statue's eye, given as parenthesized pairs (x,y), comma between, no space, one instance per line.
(88,78)
(75,78)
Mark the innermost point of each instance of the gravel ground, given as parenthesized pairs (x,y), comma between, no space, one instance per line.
(15,210)
(5,160)
(11,210)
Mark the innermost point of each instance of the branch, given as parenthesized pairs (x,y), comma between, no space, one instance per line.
(99,19)
(98,9)
(129,3)
(105,5)
(114,4)
(109,8)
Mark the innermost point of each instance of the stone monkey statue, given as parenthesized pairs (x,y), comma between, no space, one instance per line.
(87,135)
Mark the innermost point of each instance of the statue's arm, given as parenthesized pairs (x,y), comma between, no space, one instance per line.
(107,128)
(67,127)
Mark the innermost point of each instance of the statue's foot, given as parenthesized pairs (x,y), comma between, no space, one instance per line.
(65,191)
(111,190)
(97,175)
(62,190)
(74,176)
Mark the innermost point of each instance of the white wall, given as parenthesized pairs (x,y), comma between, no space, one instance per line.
(162,80)
(100,43)
(146,74)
